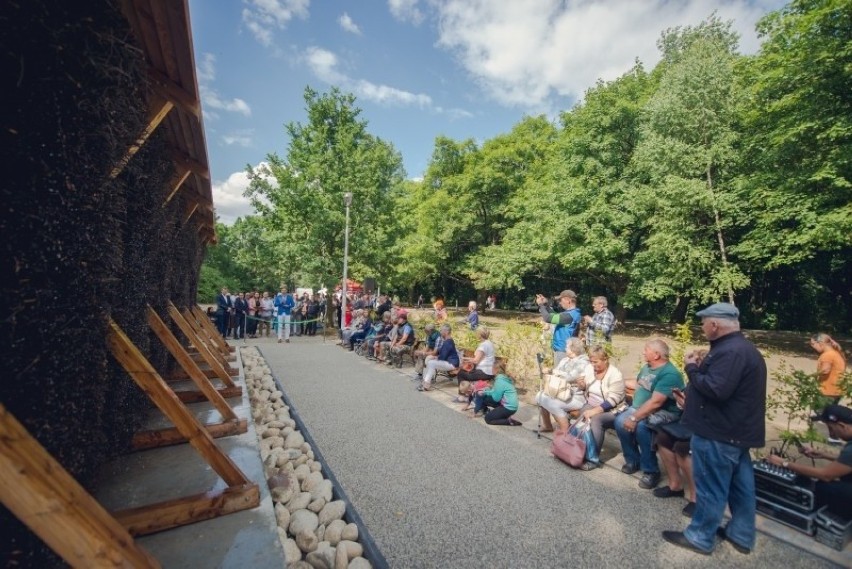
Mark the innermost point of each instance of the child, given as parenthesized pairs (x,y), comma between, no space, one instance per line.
(468,391)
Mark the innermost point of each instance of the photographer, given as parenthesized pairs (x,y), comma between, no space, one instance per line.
(567,322)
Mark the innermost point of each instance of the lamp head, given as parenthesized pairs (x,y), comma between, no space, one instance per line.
(347,199)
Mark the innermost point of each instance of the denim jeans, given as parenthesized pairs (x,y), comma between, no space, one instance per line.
(636,446)
(723,475)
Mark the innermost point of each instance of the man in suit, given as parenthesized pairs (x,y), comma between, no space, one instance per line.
(240,308)
(223,310)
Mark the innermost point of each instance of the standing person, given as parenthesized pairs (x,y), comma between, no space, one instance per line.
(253,311)
(240,310)
(830,366)
(223,311)
(313,314)
(267,307)
(419,302)
(567,322)
(599,327)
(726,410)
(284,304)
(472,319)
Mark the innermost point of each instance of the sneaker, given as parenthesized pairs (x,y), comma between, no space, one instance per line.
(589,465)
(279,341)
(649,480)
(688,510)
(629,468)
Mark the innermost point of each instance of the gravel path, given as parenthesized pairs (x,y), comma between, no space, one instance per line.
(437,489)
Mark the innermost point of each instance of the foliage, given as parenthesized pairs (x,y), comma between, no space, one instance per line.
(683,339)
(796,395)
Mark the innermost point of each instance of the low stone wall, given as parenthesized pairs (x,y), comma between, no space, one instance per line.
(311,523)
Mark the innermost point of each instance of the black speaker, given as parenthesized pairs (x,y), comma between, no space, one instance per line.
(369,285)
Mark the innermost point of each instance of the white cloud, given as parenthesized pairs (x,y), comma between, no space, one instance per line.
(240,138)
(206,73)
(229,199)
(406,11)
(324,65)
(348,24)
(525,52)
(262,17)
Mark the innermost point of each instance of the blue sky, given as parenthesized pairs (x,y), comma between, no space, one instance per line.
(419,68)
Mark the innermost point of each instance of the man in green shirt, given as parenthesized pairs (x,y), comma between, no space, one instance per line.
(653,403)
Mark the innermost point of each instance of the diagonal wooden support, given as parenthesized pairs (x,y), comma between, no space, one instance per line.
(205,322)
(187,330)
(224,356)
(230,424)
(41,493)
(156,517)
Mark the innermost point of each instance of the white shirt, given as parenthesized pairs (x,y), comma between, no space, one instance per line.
(486,364)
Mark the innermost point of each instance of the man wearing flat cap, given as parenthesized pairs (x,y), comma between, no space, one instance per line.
(834,480)
(726,410)
(567,322)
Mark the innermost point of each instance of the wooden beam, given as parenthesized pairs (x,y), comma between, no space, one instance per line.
(41,493)
(170,90)
(210,340)
(181,511)
(195,396)
(186,362)
(156,438)
(208,325)
(190,163)
(191,335)
(191,208)
(158,108)
(181,174)
(147,378)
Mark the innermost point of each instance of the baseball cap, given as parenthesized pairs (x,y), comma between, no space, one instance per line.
(834,414)
(568,293)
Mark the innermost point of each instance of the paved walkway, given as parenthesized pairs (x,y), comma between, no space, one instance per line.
(437,489)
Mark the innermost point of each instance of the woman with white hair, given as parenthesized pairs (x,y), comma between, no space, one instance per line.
(564,395)
(472,319)
(483,359)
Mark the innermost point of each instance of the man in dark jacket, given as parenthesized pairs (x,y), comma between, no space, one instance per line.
(726,410)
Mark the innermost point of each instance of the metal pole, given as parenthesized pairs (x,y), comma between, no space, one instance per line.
(347,199)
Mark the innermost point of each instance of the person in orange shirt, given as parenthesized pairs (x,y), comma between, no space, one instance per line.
(830,366)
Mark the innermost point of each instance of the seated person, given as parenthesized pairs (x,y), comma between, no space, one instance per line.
(430,350)
(499,402)
(571,368)
(672,443)
(440,311)
(383,346)
(379,334)
(361,332)
(834,480)
(603,387)
(653,404)
(483,359)
(404,338)
(446,360)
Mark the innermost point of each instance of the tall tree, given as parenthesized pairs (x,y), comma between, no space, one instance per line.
(688,155)
(300,197)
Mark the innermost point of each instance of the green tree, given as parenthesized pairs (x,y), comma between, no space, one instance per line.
(687,157)
(300,197)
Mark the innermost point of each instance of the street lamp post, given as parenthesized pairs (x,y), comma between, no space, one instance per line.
(347,200)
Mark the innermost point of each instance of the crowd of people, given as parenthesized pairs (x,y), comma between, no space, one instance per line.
(256,314)
(699,424)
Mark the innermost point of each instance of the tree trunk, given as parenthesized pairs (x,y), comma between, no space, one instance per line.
(722,251)
(679,314)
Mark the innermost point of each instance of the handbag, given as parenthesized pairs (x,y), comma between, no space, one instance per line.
(677,430)
(571,447)
(557,387)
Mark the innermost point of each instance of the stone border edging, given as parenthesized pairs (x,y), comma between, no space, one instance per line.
(371,551)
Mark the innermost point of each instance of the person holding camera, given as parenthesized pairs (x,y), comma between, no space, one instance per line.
(567,322)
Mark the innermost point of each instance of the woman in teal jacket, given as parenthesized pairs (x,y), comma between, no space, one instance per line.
(500,401)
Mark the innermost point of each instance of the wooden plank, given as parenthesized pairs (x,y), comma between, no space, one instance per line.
(171,436)
(181,174)
(195,396)
(181,511)
(190,333)
(147,378)
(208,325)
(191,208)
(190,367)
(211,340)
(170,90)
(47,499)
(158,108)
(197,168)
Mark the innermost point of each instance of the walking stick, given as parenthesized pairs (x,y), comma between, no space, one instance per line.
(539,357)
